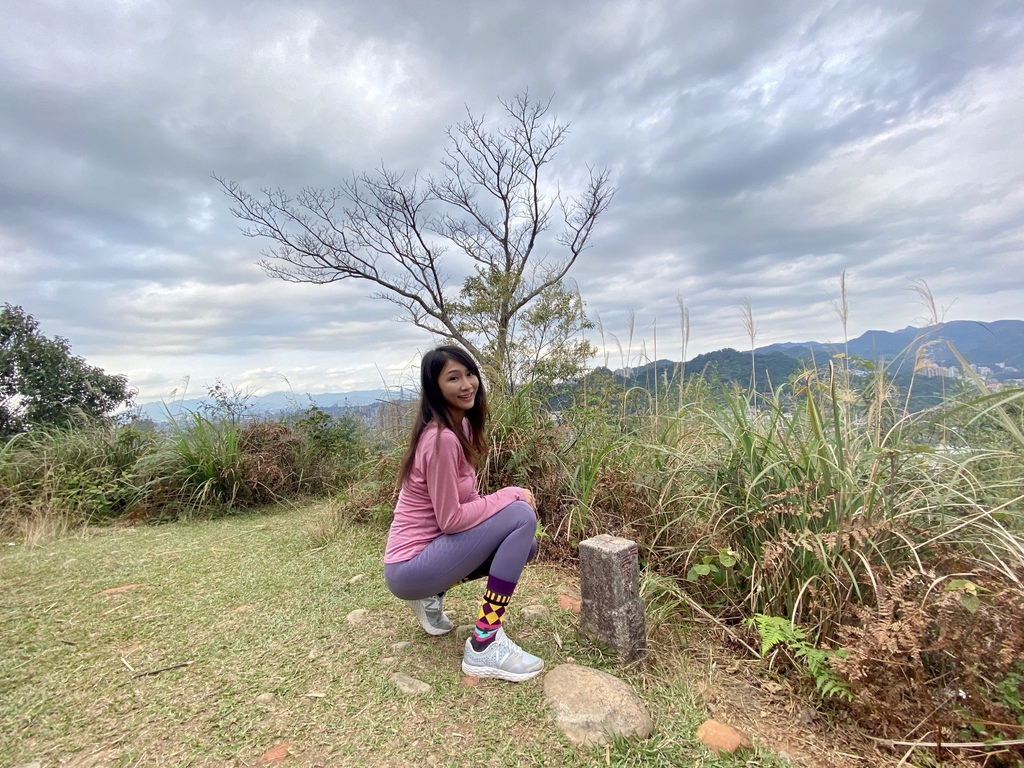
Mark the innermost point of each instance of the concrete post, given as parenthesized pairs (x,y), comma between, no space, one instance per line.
(612,612)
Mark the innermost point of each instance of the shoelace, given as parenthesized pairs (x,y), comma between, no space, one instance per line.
(507,642)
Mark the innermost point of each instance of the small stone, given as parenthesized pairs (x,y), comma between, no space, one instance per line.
(357,578)
(275,754)
(719,737)
(388,660)
(409,685)
(401,646)
(266,698)
(315,654)
(570,603)
(535,611)
(590,705)
(358,616)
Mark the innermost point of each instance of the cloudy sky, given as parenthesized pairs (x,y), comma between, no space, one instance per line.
(759,150)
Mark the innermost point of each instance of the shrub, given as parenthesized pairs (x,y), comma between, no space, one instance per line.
(336,445)
(63,478)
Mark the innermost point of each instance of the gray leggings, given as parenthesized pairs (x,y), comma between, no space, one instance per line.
(499,546)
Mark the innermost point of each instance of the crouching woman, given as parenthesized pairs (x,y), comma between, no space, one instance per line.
(444,532)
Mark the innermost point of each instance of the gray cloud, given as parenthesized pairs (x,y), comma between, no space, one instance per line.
(760,149)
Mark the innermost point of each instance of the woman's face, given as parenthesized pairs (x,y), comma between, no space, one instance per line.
(458,387)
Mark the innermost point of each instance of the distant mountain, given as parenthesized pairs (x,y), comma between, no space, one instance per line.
(997,345)
(996,350)
(726,365)
(277,402)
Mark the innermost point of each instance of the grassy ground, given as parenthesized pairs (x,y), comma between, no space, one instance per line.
(250,606)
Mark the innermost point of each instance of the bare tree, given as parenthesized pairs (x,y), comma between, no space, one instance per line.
(494,203)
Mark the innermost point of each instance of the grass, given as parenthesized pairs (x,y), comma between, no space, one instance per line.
(251,605)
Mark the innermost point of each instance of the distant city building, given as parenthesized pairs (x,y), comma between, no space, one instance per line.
(982,370)
(932,371)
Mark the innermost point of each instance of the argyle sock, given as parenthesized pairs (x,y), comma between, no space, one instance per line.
(492,608)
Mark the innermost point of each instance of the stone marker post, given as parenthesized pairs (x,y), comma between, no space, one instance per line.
(612,612)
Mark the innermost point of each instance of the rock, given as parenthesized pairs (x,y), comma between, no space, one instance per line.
(570,603)
(612,612)
(314,654)
(535,611)
(358,616)
(401,646)
(266,698)
(589,706)
(409,685)
(389,661)
(274,754)
(719,737)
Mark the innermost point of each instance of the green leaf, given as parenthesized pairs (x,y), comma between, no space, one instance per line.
(970,602)
(697,571)
(961,585)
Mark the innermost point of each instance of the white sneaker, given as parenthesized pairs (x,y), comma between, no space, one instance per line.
(502,659)
(430,612)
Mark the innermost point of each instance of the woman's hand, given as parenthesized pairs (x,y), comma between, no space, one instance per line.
(529,498)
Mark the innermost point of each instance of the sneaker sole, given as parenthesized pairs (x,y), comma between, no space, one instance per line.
(429,628)
(499,674)
(434,631)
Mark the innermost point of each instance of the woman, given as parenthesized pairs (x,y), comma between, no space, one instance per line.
(445,532)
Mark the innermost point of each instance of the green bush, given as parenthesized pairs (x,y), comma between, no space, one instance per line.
(77,476)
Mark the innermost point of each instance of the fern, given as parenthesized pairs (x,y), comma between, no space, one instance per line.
(775,631)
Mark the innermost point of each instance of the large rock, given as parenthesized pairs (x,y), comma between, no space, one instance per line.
(590,706)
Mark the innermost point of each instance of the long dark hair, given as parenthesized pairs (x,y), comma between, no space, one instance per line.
(434,408)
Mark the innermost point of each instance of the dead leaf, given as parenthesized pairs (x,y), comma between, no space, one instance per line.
(124,588)
(315,695)
(275,754)
(470,681)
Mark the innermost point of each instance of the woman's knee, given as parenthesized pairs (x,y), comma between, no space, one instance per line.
(522,513)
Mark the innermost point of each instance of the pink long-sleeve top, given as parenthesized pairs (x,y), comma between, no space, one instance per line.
(440,496)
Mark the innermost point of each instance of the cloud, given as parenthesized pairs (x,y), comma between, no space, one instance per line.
(759,150)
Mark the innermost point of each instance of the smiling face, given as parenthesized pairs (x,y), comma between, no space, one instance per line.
(458,386)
